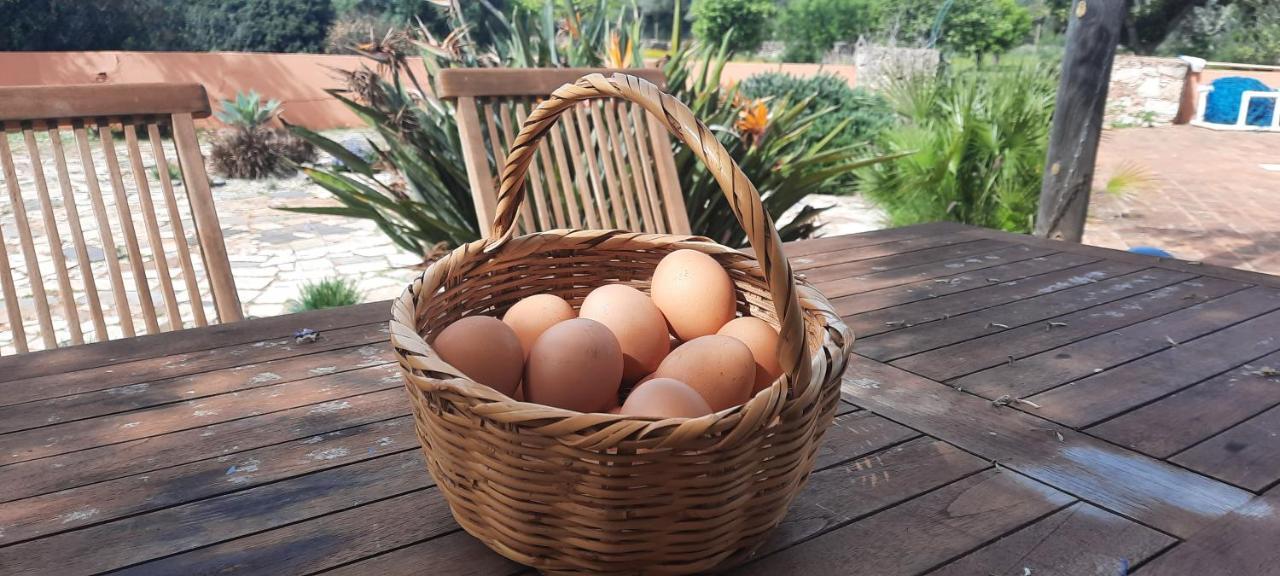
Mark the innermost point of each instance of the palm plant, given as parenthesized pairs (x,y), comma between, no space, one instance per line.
(248,110)
(975,147)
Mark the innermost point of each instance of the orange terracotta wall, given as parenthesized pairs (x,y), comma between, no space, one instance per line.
(297,80)
(738,71)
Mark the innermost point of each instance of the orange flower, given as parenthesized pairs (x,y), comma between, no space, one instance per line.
(616,58)
(753,120)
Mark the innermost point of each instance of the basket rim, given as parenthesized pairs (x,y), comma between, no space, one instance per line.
(417,356)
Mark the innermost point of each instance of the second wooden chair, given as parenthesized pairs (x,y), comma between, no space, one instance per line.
(606,165)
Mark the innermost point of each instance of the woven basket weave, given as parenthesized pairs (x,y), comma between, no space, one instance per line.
(567,492)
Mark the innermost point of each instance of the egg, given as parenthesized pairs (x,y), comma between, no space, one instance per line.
(575,365)
(665,398)
(485,350)
(762,339)
(694,293)
(638,325)
(531,316)
(720,368)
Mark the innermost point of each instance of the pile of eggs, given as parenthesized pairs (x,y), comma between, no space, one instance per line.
(679,353)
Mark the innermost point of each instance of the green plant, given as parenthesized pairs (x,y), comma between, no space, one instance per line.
(980,27)
(327,293)
(248,110)
(1127,179)
(174,172)
(868,112)
(976,144)
(811,27)
(429,207)
(747,19)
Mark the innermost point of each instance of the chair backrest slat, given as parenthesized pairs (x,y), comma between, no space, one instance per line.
(603,166)
(179,230)
(54,238)
(124,216)
(45,304)
(77,235)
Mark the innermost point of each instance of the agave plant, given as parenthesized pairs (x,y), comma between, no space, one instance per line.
(248,110)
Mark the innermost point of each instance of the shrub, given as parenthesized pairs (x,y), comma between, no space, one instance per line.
(977,143)
(327,293)
(747,19)
(981,27)
(811,27)
(867,113)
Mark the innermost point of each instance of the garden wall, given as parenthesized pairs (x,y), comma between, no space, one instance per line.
(297,80)
(1144,89)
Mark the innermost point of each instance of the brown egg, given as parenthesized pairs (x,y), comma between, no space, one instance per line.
(531,316)
(575,365)
(720,368)
(635,322)
(694,293)
(665,398)
(485,350)
(762,339)
(614,410)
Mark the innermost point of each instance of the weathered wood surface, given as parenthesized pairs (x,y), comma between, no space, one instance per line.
(233,449)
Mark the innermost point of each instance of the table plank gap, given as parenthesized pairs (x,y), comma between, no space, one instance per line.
(1247,454)
(1240,543)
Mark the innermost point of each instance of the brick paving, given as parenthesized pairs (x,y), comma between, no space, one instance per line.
(1212,199)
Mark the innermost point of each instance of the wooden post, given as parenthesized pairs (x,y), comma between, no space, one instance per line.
(1092,35)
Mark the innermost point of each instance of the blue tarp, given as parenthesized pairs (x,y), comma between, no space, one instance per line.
(1223,106)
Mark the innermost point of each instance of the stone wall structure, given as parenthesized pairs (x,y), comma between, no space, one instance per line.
(1144,90)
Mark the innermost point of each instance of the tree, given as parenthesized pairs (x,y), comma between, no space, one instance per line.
(748,19)
(258,25)
(981,27)
(89,25)
(811,27)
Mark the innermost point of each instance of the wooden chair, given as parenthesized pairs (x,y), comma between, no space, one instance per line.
(607,165)
(35,227)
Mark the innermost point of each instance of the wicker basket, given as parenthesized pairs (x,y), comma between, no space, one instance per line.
(567,492)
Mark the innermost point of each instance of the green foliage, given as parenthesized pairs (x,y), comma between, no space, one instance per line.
(1245,31)
(868,113)
(90,25)
(981,27)
(811,27)
(248,110)
(748,19)
(327,293)
(977,143)
(257,152)
(787,161)
(257,25)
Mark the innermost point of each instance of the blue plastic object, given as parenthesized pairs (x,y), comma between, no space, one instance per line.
(1150,251)
(1223,106)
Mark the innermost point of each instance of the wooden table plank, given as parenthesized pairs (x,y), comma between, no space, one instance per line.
(1238,544)
(836,496)
(912,284)
(855,434)
(148,369)
(955,329)
(1053,368)
(218,519)
(1081,540)
(1165,497)
(921,533)
(156,489)
(45,475)
(76,358)
(1120,389)
(1247,455)
(194,414)
(158,392)
(982,298)
(831,260)
(851,241)
(843,271)
(984,352)
(1200,411)
(455,554)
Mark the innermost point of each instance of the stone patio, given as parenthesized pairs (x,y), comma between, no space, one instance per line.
(1215,198)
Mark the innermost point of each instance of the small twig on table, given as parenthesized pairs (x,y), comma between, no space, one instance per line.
(1170,340)
(997,325)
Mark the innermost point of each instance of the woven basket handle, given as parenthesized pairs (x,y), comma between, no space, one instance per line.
(742,194)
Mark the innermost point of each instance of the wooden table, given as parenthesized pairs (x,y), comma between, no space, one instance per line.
(1014,404)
